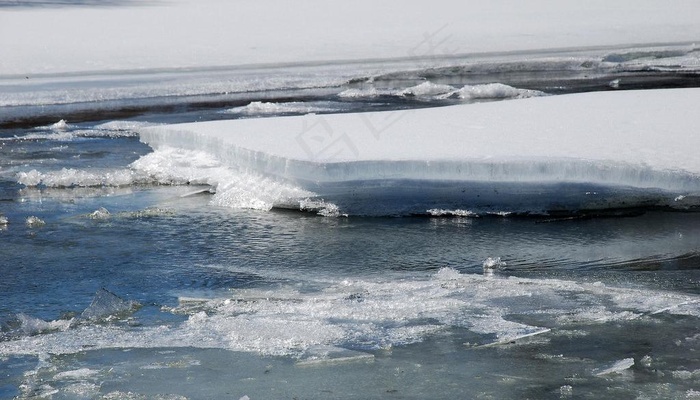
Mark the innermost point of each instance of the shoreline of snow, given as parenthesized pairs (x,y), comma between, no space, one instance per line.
(205,33)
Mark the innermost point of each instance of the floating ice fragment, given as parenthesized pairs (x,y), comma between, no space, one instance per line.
(106,305)
(197,318)
(429,90)
(70,177)
(146,213)
(500,213)
(616,368)
(122,125)
(100,214)
(33,326)
(235,195)
(359,93)
(673,306)
(31,178)
(491,264)
(3,220)
(327,355)
(439,212)
(517,333)
(426,89)
(494,91)
(615,84)
(566,391)
(259,108)
(209,190)
(321,207)
(61,125)
(55,135)
(81,373)
(34,222)
(447,274)
(686,375)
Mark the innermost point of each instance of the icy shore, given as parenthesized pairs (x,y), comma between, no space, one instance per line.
(185,34)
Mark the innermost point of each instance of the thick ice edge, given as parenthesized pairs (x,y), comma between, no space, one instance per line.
(594,150)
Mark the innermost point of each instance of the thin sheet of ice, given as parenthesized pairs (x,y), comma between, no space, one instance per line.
(370,314)
(634,139)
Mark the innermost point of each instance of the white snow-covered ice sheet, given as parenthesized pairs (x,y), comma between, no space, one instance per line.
(594,150)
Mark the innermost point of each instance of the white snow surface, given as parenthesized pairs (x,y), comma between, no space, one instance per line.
(653,129)
(189,34)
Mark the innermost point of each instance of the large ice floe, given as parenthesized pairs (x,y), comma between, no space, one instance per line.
(543,155)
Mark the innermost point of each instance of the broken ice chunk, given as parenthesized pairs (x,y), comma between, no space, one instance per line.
(329,355)
(106,305)
(32,326)
(616,368)
(101,214)
(34,222)
(491,264)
